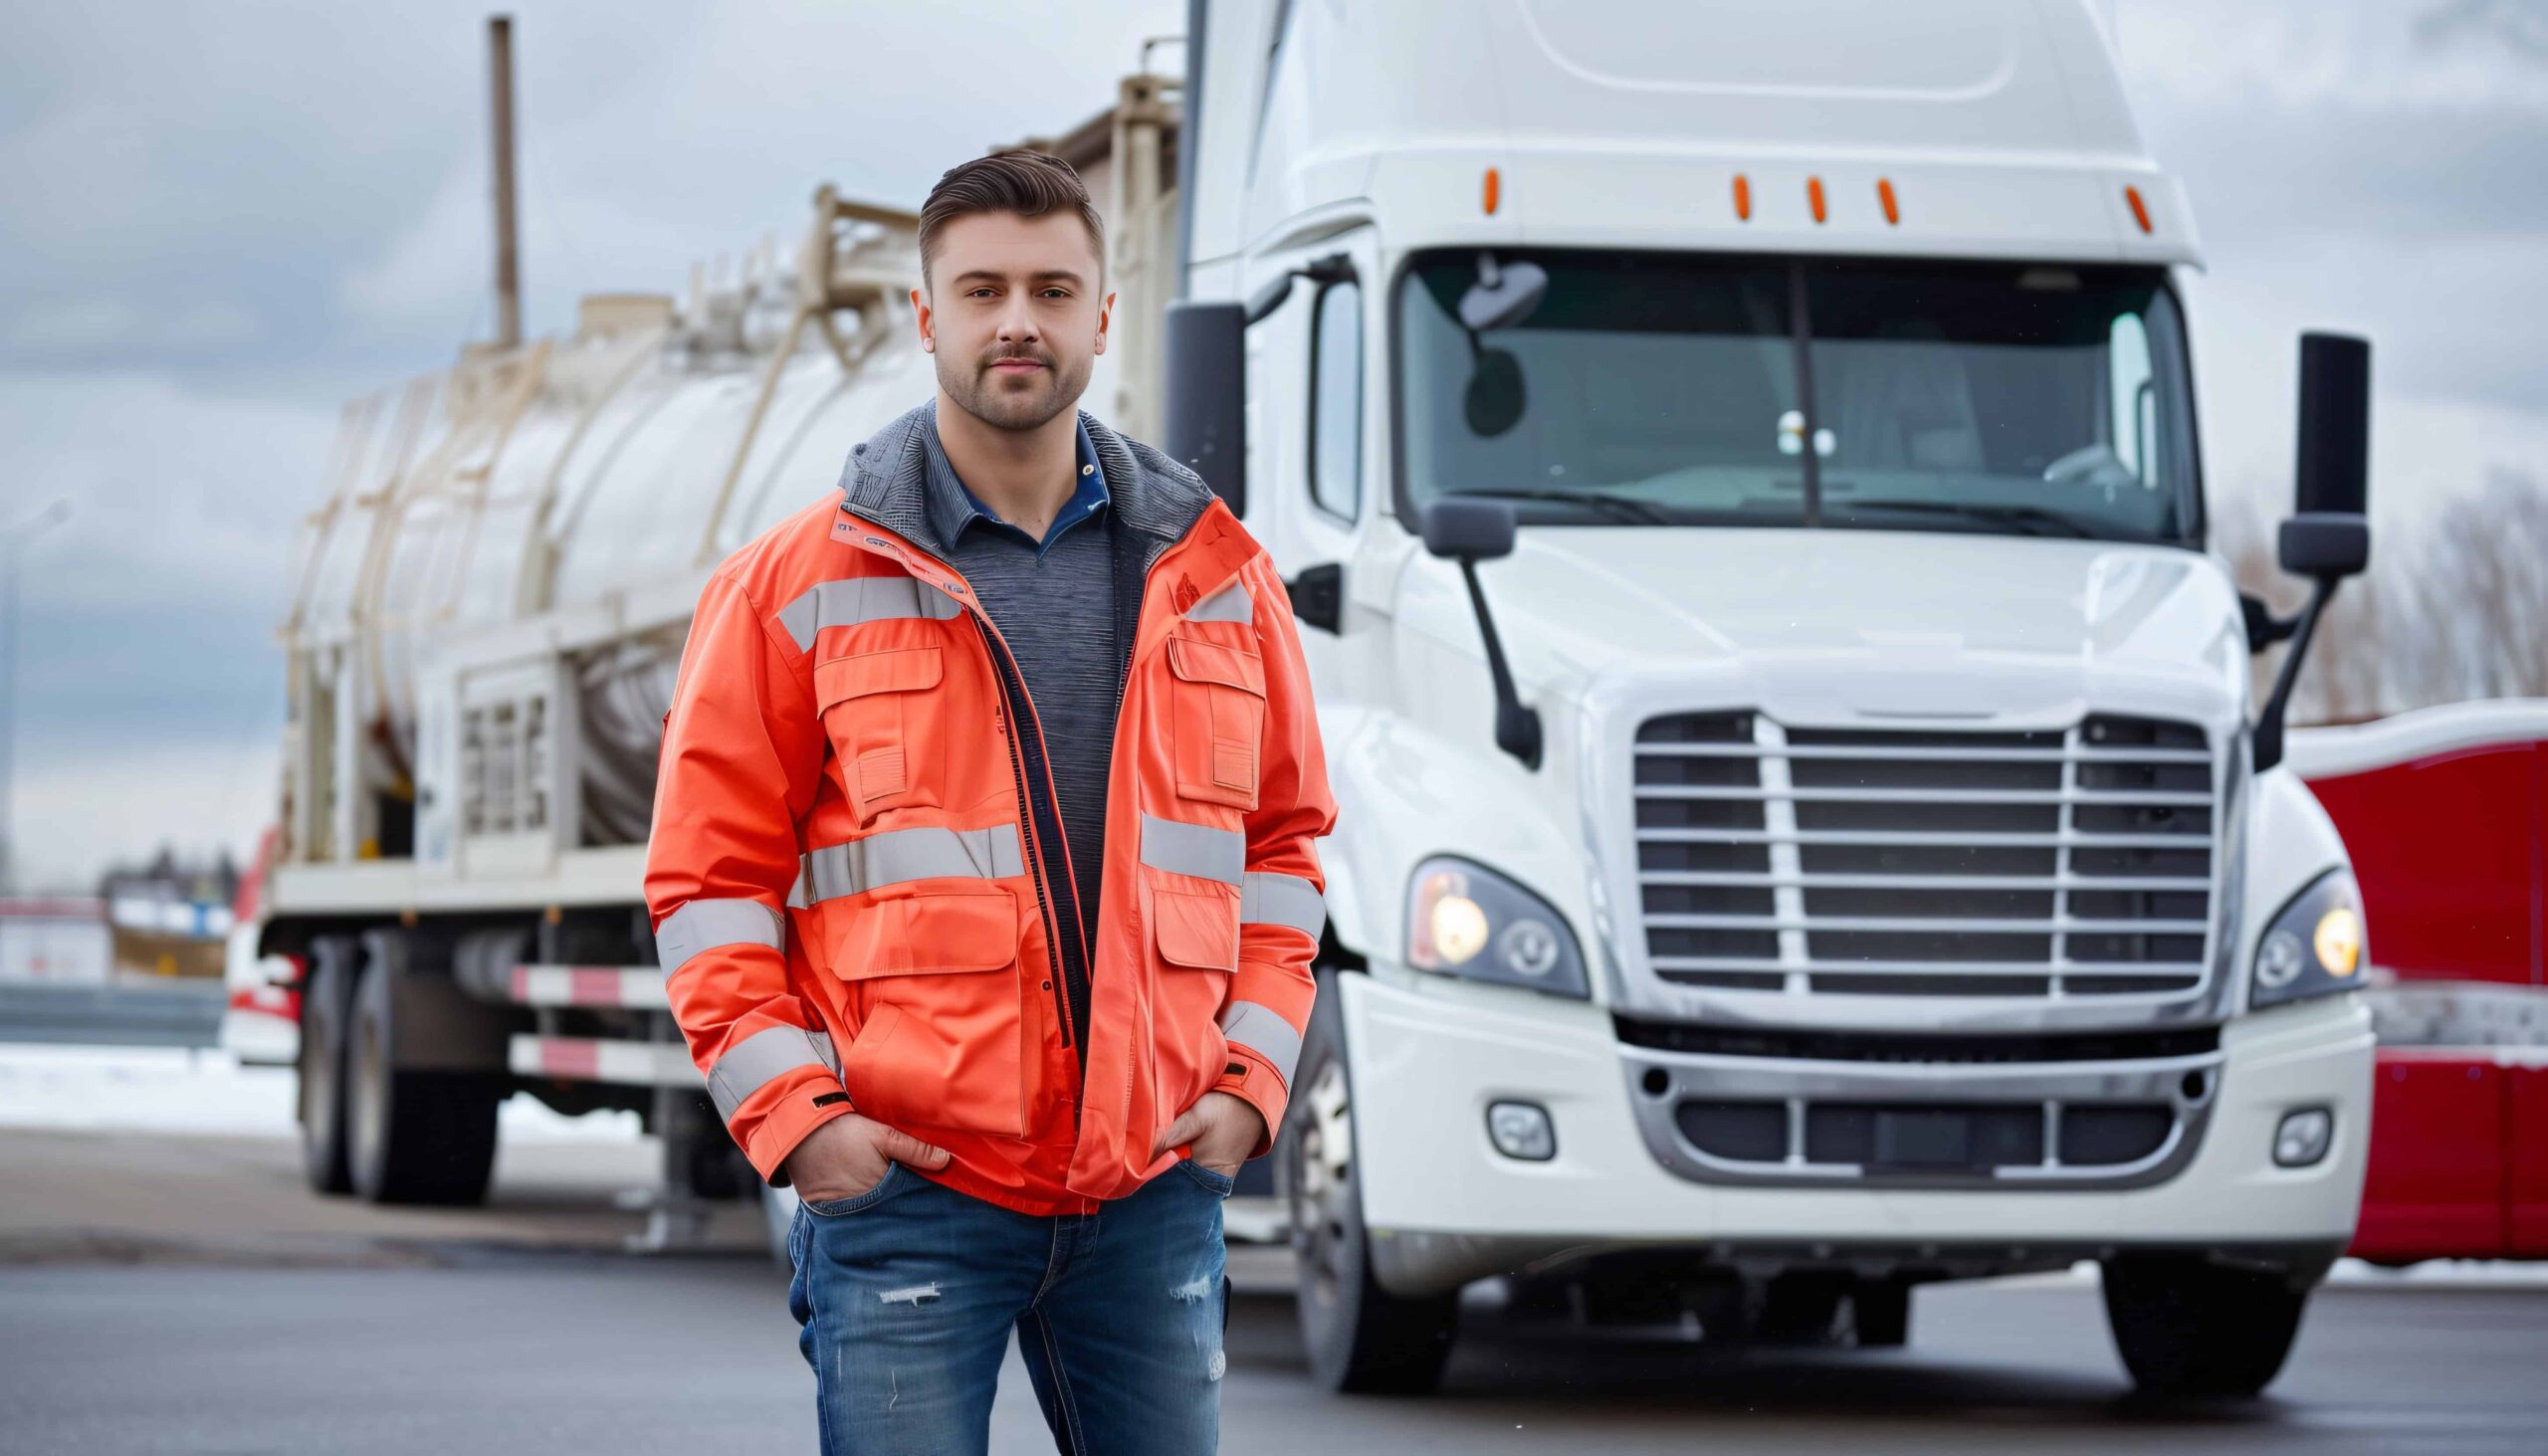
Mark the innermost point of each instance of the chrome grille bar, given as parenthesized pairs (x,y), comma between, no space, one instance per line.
(1926,862)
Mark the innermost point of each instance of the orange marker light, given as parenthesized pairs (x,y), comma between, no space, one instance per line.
(1884,194)
(1494,190)
(2140,214)
(1742,197)
(1814,194)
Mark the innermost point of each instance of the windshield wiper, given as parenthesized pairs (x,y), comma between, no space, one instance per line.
(2027,519)
(1620,508)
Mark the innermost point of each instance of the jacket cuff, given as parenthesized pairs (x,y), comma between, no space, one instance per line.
(1256,1083)
(813,1101)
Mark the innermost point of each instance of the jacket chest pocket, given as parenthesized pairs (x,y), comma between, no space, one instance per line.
(1195,937)
(941,1038)
(1217,708)
(881,711)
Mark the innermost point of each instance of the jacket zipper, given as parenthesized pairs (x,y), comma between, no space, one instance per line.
(1045,833)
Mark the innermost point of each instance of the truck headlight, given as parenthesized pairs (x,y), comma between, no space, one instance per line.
(1466,919)
(2314,946)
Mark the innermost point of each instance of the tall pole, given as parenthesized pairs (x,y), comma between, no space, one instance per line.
(500,82)
(14,545)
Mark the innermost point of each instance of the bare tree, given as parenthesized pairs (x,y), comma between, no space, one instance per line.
(2459,611)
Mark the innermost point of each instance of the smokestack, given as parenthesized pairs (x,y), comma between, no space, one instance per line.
(500,82)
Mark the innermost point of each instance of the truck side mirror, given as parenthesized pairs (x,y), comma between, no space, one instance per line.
(1207,396)
(1468,530)
(2328,537)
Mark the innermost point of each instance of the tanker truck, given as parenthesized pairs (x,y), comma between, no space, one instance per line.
(1807,828)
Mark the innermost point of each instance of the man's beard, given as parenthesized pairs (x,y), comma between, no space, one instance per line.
(1013,404)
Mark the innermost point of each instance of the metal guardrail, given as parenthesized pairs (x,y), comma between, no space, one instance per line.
(124,1013)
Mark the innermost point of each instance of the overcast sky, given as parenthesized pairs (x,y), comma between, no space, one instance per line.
(219,222)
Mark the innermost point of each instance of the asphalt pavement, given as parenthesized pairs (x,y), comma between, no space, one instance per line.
(174,1292)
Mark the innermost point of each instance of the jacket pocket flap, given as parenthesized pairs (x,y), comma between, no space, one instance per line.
(1210,662)
(897,670)
(1200,931)
(923,934)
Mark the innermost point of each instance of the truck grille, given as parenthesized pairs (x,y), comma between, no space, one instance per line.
(1883,862)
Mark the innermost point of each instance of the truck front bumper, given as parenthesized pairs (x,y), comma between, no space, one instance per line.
(1444,1206)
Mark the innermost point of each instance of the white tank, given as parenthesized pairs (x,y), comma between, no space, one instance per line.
(522,488)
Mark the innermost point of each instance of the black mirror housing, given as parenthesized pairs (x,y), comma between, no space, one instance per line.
(1207,396)
(2325,545)
(1467,528)
(2332,473)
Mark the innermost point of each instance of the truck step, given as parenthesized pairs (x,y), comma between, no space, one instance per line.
(598,1059)
(638,987)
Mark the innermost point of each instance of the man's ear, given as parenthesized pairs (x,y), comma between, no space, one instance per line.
(1105,312)
(922,319)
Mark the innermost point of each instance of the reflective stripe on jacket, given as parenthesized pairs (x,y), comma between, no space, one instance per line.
(854,875)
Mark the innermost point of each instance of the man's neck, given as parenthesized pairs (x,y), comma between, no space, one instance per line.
(1023,476)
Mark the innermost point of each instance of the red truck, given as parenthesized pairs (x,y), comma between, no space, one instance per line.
(2445,811)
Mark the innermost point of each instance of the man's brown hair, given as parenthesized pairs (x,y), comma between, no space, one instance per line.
(1028,183)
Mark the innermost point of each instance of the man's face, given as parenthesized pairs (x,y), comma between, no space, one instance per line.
(1013,317)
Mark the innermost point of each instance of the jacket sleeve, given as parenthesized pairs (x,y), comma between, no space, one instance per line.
(1282,905)
(741,757)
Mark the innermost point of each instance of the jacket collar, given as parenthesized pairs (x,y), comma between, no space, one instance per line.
(886,480)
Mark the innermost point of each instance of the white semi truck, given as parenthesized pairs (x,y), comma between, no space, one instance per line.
(1805,831)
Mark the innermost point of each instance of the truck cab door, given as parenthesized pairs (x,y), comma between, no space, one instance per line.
(1315,393)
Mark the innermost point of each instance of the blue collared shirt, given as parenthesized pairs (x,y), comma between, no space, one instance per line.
(953,506)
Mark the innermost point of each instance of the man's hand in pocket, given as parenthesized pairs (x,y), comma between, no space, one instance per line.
(846,1156)
(1223,1128)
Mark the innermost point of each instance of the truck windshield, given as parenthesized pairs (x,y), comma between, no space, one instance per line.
(2035,400)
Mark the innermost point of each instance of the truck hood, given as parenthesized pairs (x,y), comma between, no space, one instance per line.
(1851,622)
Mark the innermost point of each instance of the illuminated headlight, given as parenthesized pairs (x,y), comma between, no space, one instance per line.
(1468,921)
(2314,948)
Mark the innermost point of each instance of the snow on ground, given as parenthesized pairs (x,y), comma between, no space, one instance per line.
(179,1090)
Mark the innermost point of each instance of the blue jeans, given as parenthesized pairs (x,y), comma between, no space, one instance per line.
(904,1296)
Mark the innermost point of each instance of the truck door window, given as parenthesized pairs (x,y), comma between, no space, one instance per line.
(1336,401)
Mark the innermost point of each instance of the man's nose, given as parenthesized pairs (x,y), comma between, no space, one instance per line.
(1017,321)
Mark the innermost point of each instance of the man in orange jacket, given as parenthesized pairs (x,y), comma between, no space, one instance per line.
(984,871)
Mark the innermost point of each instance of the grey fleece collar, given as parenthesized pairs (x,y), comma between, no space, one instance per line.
(886,480)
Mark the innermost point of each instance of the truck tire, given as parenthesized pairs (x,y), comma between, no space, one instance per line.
(1359,1337)
(411,1136)
(2187,1327)
(327,996)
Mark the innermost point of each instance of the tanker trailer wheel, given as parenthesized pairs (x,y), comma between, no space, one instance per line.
(2187,1327)
(1360,1337)
(411,1136)
(326,994)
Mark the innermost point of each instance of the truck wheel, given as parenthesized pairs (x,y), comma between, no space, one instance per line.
(1881,1312)
(411,1136)
(1359,1337)
(325,997)
(2186,1327)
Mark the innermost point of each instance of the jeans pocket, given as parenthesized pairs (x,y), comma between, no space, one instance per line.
(836,1207)
(1218,1182)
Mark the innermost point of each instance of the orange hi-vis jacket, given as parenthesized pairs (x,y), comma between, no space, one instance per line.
(860,893)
